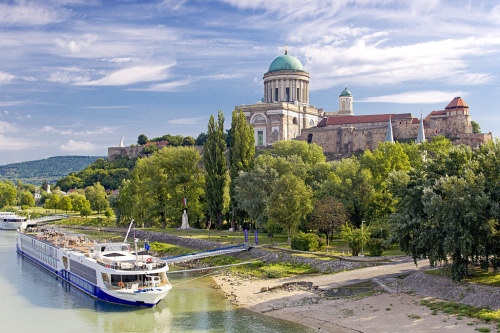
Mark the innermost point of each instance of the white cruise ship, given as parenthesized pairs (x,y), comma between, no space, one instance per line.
(111,272)
(11,221)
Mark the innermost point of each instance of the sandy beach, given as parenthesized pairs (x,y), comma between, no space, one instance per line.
(298,299)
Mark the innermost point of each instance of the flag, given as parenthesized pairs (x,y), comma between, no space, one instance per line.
(184,201)
(146,246)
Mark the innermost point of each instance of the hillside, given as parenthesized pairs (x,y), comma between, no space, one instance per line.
(50,169)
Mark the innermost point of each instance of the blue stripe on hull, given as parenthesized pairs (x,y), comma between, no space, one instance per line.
(97,292)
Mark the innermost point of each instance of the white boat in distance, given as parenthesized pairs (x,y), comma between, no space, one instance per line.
(11,221)
(107,271)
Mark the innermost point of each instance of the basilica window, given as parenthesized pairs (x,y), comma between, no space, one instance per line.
(287,91)
(259,119)
(294,120)
(311,122)
(275,94)
(260,138)
(298,94)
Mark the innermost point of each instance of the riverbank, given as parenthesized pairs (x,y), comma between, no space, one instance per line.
(383,304)
(360,298)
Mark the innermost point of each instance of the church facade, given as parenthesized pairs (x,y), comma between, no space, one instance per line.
(285,114)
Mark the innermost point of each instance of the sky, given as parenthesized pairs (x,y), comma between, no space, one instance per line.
(78,75)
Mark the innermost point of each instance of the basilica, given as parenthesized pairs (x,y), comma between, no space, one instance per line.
(285,114)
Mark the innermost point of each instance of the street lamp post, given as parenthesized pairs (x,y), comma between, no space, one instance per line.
(362,237)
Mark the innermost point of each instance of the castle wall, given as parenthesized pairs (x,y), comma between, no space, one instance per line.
(356,137)
(130,152)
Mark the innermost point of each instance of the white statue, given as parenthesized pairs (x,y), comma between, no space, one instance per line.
(121,142)
(185,224)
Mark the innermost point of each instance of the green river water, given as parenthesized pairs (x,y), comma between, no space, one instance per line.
(33,300)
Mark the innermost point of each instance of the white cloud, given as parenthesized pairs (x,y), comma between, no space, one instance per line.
(186,121)
(69,131)
(104,107)
(75,146)
(6,127)
(11,103)
(132,75)
(77,46)
(6,77)
(369,64)
(22,13)
(69,77)
(120,60)
(10,143)
(416,97)
(168,86)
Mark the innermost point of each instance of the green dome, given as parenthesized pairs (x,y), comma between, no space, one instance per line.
(286,63)
(345,92)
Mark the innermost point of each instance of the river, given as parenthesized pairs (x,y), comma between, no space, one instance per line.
(33,300)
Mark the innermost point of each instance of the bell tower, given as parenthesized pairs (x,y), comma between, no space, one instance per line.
(345,103)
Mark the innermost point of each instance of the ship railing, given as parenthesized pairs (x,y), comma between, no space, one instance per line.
(134,286)
(133,267)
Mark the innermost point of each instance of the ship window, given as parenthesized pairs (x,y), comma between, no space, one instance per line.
(115,278)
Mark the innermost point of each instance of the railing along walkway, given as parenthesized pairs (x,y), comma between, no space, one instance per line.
(205,254)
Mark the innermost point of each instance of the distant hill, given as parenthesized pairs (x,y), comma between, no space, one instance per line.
(50,169)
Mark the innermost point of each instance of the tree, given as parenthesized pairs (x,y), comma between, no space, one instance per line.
(26,199)
(142,139)
(109,213)
(85,211)
(447,213)
(352,185)
(475,127)
(44,185)
(65,204)
(158,185)
(252,190)
(77,201)
(216,183)
(386,158)
(241,154)
(52,202)
(355,238)
(183,180)
(327,215)
(201,139)
(96,195)
(310,153)
(188,141)
(289,203)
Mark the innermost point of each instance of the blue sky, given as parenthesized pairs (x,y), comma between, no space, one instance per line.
(77,75)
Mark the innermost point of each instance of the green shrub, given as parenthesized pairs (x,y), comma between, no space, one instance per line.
(305,242)
(86,211)
(376,247)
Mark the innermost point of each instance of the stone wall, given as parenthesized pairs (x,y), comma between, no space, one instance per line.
(130,152)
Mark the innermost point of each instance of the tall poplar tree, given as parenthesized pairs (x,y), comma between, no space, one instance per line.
(216,184)
(241,154)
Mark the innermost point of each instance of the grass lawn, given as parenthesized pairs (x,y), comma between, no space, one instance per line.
(337,247)
(462,310)
(477,275)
